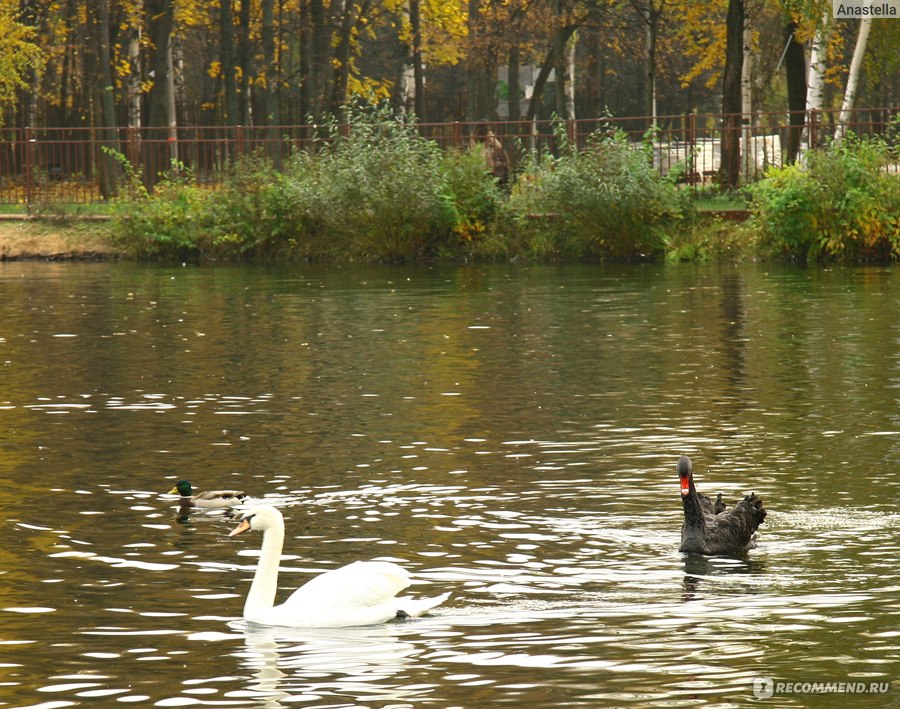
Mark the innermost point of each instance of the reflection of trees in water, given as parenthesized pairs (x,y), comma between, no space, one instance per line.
(732,336)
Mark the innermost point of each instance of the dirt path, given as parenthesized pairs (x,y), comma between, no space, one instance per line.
(50,240)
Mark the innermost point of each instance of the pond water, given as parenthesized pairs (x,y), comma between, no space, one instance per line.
(508,433)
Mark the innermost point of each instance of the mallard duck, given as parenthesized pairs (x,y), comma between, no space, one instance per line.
(361,593)
(710,528)
(210,500)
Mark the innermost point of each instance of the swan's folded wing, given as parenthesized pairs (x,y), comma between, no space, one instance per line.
(361,584)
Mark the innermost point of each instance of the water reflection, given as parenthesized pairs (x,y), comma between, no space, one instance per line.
(363,663)
(715,575)
(509,434)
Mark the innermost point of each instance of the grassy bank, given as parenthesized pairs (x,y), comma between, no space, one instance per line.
(56,240)
(382,193)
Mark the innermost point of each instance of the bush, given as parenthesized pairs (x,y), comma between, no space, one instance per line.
(474,199)
(604,200)
(164,225)
(380,189)
(254,215)
(377,192)
(840,205)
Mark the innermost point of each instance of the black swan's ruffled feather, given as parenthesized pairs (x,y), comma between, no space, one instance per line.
(710,528)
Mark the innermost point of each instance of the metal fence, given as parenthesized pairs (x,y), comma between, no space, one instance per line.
(47,166)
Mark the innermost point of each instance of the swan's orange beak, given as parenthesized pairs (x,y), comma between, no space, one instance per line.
(242,527)
(685,486)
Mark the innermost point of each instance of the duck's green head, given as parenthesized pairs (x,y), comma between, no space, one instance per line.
(183,488)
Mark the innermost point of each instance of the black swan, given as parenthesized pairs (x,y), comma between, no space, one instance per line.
(710,528)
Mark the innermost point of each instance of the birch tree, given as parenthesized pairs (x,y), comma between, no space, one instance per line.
(818,60)
(650,12)
(850,91)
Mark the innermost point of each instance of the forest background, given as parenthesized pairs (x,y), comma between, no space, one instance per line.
(106,63)
(158,66)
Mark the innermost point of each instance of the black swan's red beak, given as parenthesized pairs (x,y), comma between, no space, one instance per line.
(684,472)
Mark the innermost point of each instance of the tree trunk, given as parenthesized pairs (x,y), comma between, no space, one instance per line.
(481,70)
(270,61)
(747,149)
(540,82)
(66,71)
(859,51)
(569,92)
(415,22)
(28,16)
(815,83)
(795,70)
(106,102)
(559,67)
(650,67)
(650,14)
(818,56)
(227,59)
(342,53)
(747,69)
(270,106)
(731,94)
(815,92)
(319,51)
(593,103)
(513,85)
(161,100)
(245,62)
(134,76)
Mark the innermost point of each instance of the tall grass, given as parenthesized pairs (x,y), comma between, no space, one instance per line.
(603,200)
(379,191)
(376,191)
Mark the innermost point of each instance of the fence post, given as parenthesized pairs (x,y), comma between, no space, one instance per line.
(29,169)
(132,136)
(690,138)
(813,128)
(239,138)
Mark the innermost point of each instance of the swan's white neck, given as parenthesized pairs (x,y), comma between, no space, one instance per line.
(261,596)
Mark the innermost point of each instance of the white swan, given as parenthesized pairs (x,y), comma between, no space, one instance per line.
(361,593)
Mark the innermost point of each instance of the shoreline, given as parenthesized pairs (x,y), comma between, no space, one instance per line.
(36,239)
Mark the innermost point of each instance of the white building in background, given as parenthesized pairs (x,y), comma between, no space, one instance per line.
(528,74)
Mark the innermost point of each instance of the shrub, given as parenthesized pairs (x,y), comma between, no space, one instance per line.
(474,199)
(165,224)
(378,191)
(253,215)
(604,200)
(381,188)
(842,204)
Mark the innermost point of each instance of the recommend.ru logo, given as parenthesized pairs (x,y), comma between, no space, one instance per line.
(766,687)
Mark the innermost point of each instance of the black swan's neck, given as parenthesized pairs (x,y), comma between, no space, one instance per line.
(693,514)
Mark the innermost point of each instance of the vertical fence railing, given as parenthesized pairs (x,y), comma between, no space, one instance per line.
(60,165)
(29,146)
